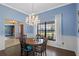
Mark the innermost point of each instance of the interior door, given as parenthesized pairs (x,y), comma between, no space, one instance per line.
(21,29)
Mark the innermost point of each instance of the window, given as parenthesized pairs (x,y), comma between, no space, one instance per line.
(47,29)
(41,29)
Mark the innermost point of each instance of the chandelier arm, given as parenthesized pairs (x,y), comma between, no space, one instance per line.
(32,19)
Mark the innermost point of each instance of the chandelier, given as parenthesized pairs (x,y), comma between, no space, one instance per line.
(32,19)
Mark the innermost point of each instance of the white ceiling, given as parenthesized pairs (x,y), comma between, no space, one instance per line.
(37,7)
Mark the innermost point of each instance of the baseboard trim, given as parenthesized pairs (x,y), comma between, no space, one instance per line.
(61,49)
(12,46)
(70,43)
(77,53)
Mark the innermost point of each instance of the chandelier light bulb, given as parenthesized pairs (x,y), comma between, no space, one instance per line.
(32,19)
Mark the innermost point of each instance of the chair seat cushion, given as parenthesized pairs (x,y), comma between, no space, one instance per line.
(28,48)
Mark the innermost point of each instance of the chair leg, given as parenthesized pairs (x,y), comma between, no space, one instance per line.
(33,53)
(21,52)
(41,53)
(45,53)
(27,53)
(36,53)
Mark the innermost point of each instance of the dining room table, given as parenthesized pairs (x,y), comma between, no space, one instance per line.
(34,42)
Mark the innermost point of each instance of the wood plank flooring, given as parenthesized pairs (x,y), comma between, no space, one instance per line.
(51,51)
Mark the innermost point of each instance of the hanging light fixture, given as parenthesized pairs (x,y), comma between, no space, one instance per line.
(32,19)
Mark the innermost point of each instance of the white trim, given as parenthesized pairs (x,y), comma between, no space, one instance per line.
(14,8)
(53,8)
(58,32)
(77,52)
(77,20)
(70,43)
(37,12)
(2,42)
(9,24)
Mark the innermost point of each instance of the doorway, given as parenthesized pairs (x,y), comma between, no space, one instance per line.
(21,29)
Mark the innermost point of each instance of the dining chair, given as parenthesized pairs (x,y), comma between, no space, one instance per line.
(41,49)
(24,47)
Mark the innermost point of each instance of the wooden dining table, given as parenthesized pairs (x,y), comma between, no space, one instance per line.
(34,42)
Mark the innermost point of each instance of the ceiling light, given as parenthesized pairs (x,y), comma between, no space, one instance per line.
(32,19)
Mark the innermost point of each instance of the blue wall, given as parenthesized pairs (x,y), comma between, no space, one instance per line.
(6,12)
(78,6)
(29,30)
(69,26)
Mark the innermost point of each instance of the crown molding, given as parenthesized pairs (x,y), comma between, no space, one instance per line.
(14,8)
(37,12)
(53,8)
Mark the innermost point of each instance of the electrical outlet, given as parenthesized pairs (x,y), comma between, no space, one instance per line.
(62,43)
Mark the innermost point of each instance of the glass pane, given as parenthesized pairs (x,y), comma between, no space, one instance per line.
(50,27)
(41,33)
(50,30)
(50,35)
(42,27)
(39,27)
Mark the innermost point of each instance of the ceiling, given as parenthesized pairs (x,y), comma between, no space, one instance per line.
(30,8)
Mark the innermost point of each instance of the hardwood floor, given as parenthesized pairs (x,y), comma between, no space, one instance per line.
(51,51)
